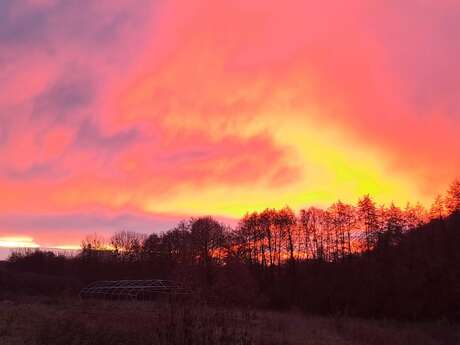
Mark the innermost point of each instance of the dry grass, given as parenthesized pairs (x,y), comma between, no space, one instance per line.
(70,322)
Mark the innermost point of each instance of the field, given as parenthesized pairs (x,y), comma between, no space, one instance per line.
(49,321)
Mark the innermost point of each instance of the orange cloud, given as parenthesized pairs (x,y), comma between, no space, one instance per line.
(213,107)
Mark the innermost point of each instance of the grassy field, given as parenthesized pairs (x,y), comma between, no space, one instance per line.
(75,322)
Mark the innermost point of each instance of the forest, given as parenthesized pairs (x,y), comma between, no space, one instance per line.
(361,260)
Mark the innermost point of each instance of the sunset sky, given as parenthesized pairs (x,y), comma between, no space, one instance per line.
(134,114)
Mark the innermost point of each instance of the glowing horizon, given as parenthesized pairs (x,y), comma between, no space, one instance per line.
(18,242)
(133,115)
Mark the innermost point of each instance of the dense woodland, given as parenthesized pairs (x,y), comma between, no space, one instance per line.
(361,260)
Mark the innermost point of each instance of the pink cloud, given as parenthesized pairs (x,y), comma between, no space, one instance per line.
(107,104)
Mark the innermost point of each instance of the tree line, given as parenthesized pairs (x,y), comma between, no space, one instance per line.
(273,237)
(361,259)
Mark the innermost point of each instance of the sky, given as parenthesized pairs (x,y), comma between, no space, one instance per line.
(135,114)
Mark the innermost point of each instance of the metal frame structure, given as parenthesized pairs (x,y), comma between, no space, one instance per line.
(132,289)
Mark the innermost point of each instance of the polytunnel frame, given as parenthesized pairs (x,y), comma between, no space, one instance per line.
(132,289)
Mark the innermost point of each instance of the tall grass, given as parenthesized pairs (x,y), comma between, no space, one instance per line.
(71,322)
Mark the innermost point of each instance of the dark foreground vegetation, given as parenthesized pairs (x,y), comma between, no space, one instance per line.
(358,261)
(51,321)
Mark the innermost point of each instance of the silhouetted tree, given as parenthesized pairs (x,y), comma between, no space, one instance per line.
(438,208)
(93,242)
(177,244)
(128,244)
(394,226)
(343,220)
(153,247)
(453,197)
(369,221)
(208,238)
(414,216)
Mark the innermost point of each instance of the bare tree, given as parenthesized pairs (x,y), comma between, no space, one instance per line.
(208,239)
(394,223)
(128,244)
(438,208)
(414,216)
(93,242)
(266,222)
(286,221)
(342,217)
(177,244)
(453,197)
(368,218)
